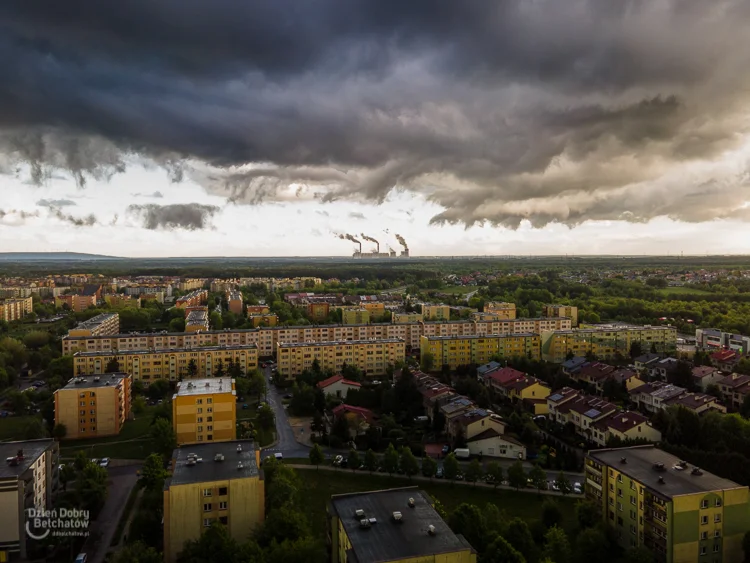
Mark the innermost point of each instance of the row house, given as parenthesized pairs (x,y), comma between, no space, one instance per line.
(596,374)
(645,362)
(703,376)
(661,370)
(735,388)
(725,360)
(655,396)
(625,425)
(531,392)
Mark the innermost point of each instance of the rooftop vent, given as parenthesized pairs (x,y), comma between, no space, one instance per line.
(239,448)
(623,460)
(364,523)
(190,462)
(696,471)
(97,378)
(239,465)
(208,384)
(219,457)
(411,503)
(397,516)
(661,480)
(431,530)
(359,513)
(659,467)
(113,376)
(373,520)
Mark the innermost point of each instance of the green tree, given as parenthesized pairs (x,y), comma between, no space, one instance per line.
(495,472)
(113,366)
(192,368)
(34,429)
(551,514)
(139,405)
(158,389)
(746,546)
(59,431)
(390,460)
(591,545)
(636,349)
(177,325)
(19,401)
(639,555)
(517,476)
(266,417)
(563,484)
(316,455)
(467,520)
(307,549)
(473,471)
(353,460)
(36,339)
(427,362)
(409,463)
(519,535)
(538,477)
(371,461)
(587,514)
(557,546)
(91,487)
(137,552)
(257,384)
(214,544)
(153,473)
(745,407)
(450,467)
(215,320)
(429,467)
(219,369)
(501,551)
(163,437)
(285,523)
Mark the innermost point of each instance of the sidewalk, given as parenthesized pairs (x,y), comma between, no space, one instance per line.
(427,479)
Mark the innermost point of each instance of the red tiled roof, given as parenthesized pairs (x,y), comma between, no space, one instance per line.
(367,414)
(335,379)
(595,371)
(624,421)
(504,375)
(724,355)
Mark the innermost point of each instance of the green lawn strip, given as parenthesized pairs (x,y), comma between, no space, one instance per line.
(125,516)
(12,427)
(320,485)
(683,290)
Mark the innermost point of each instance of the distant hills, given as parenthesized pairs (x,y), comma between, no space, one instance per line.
(51,256)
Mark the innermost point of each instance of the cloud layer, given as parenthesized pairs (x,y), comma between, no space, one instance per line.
(546,110)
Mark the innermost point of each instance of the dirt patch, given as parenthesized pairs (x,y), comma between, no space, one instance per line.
(301,428)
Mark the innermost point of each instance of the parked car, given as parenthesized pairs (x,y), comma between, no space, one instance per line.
(446,449)
(577,489)
(95,461)
(337,460)
(439,473)
(104,462)
(81,558)
(245,407)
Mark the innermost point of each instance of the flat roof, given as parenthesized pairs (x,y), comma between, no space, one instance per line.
(32,449)
(96,321)
(338,342)
(93,381)
(612,328)
(640,466)
(387,540)
(475,336)
(204,386)
(210,470)
(166,350)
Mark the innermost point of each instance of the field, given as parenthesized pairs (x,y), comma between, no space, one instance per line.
(459,289)
(682,290)
(11,427)
(320,485)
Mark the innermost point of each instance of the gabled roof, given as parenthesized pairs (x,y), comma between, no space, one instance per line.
(574,363)
(486,368)
(735,380)
(524,383)
(335,379)
(725,355)
(562,395)
(596,371)
(624,421)
(622,374)
(699,372)
(342,409)
(505,375)
(647,358)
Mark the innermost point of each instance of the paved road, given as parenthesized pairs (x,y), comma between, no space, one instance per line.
(285,443)
(121,482)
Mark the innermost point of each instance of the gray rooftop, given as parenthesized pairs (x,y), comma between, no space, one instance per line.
(476,336)
(209,470)
(339,342)
(96,321)
(32,449)
(640,466)
(167,350)
(387,540)
(204,386)
(94,381)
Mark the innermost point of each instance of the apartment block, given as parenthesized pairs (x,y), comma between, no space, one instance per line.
(27,480)
(436,312)
(677,511)
(456,351)
(264,320)
(318,311)
(561,311)
(218,482)
(392,525)
(195,298)
(355,316)
(119,301)
(100,325)
(371,356)
(406,318)
(77,303)
(173,364)
(234,302)
(205,410)
(191,284)
(258,310)
(94,406)
(501,310)
(15,309)
(196,319)
(606,342)
(376,309)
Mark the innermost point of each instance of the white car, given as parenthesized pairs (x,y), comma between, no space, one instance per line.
(337,460)
(104,462)
(577,489)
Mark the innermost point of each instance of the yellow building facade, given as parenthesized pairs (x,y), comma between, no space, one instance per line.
(15,309)
(205,410)
(171,364)
(94,406)
(375,308)
(456,351)
(100,325)
(401,318)
(436,312)
(355,316)
(606,342)
(371,356)
(680,513)
(503,310)
(264,319)
(120,301)
(561,311)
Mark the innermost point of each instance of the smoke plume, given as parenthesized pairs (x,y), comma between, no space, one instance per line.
(402,241)
(191,217)
(56,203)
(20,215)
(346,236)
(364,236)
(87,221)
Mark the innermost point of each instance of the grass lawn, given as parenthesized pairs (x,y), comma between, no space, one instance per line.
(320,485)
(683,290)
(459,289)
(11,427)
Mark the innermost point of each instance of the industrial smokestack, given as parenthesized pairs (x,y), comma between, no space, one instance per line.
(364,236)
(401,240)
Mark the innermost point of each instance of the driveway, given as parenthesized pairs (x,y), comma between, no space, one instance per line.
(285,443)
(121,482)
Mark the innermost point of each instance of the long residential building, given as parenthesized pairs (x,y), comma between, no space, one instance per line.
(372,357)
(193,299)
(681,513)
(461,350)
(606,342)
(94,406)
(15,309)
(171,363)
(100,325)
(268,338)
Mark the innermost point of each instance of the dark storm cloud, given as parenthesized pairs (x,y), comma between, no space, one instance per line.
(56,203)
(546,110)
(190,216)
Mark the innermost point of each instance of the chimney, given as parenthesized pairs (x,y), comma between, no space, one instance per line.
(411,503)
(431,530)
(661,480)
(623,460)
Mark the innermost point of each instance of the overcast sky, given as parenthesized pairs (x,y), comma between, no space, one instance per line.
(180,128)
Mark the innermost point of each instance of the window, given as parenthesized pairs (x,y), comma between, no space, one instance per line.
(632,486)
(209,419)
(200,410)
(207,507)
(717,518)
(619,520)
(207,492)
(619,506)
(704,519)
(200,429)
(223,505)
(619,478)
(209,400)
(703,550)
(207,522)
(199,401)
(716,548)
(224,520)
(717,534)
(718,502)
(210,409)
(704,503)
(632,515)
(222,491)
(633,529)
(200,419)
(704,535)
(619,492)
(611,487)
(632,500)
